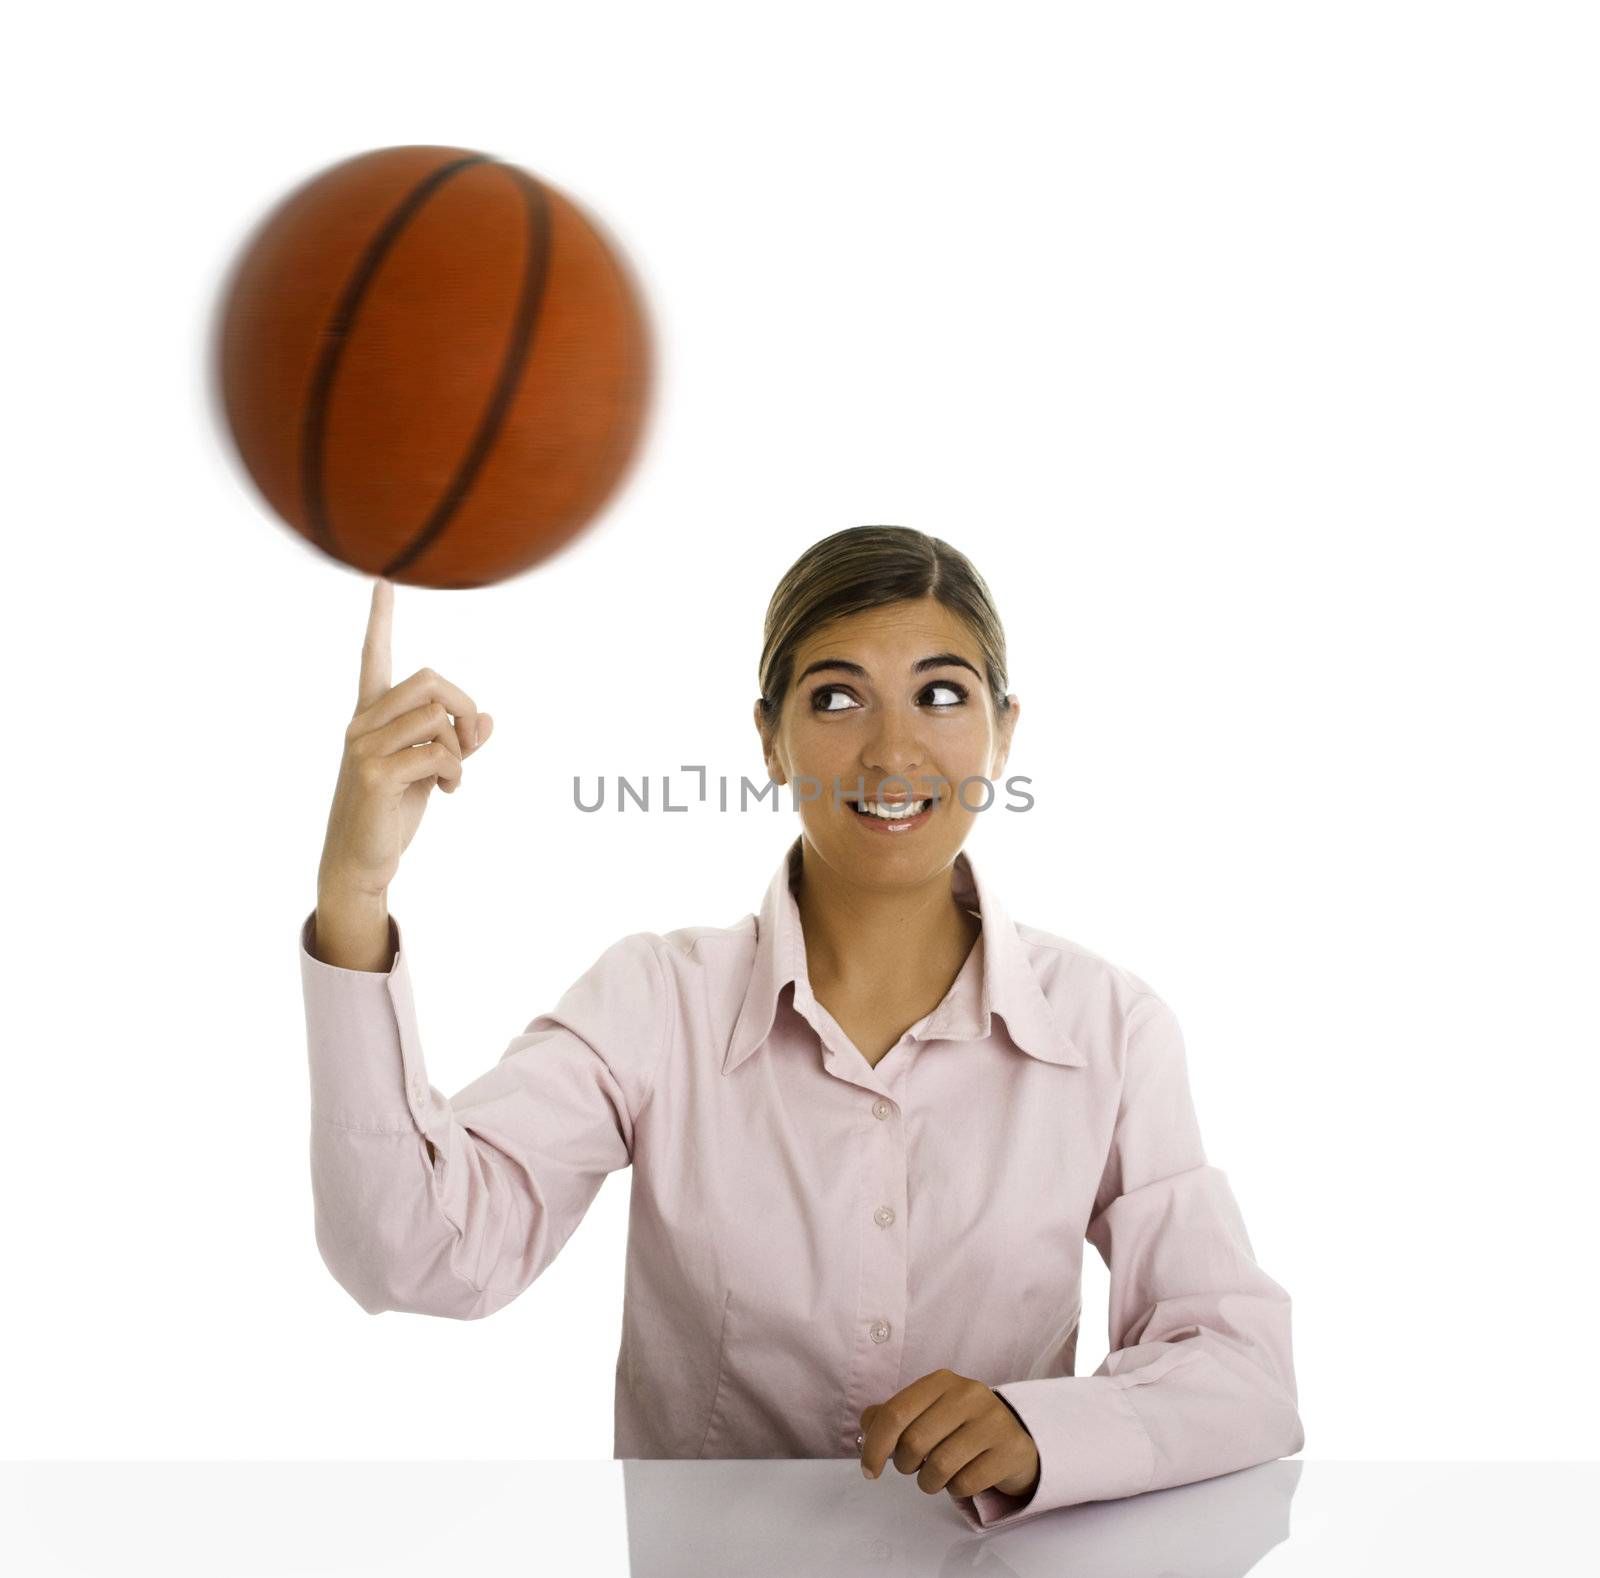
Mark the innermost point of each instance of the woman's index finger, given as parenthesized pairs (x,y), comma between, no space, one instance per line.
(375,653)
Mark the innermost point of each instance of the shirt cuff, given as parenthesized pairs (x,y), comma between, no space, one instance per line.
(1092,1446)
(362,1042)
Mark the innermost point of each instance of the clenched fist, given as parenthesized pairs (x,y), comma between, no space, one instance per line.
(953,1433)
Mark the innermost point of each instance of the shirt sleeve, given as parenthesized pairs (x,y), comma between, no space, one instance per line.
(452,1206)
(1200,1378)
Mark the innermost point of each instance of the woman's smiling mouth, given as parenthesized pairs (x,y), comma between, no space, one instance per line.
(891,816)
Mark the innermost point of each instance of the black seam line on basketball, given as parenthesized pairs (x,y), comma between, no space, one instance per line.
(533,281)
(313,429)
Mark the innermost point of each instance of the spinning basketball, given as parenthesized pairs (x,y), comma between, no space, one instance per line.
(434,365)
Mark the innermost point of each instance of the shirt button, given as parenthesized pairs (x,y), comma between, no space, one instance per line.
(880,1331)
(861,1441)
(883,1216)
(881,1108)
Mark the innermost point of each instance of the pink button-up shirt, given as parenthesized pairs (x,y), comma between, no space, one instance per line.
(808,1233)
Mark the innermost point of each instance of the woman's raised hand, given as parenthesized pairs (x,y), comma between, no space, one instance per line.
(402,741)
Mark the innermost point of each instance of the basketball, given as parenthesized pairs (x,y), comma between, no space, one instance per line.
(435,366)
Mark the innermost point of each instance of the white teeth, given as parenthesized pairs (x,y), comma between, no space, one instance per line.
(892,814)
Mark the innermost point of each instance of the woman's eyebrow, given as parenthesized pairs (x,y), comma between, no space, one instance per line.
(843,665)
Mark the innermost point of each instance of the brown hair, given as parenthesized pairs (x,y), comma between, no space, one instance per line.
(866,567)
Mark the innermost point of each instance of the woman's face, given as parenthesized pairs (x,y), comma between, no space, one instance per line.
(892,690)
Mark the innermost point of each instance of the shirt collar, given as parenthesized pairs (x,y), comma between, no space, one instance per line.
(1009,988)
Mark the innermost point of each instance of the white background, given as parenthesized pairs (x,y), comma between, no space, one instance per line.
(1250,352)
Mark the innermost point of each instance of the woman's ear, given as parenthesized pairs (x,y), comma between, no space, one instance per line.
(1007,725)
(766,741)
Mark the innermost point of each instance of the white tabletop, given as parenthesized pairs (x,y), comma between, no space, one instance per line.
(766,1517)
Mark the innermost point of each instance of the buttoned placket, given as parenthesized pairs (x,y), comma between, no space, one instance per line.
(885,1270)
(882,1110)
(879,1343)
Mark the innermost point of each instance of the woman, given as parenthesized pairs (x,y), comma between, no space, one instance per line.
(870,1127)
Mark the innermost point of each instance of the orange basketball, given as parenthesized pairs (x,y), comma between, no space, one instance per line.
(434,365)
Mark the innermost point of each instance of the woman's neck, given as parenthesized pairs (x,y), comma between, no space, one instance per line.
(870,941)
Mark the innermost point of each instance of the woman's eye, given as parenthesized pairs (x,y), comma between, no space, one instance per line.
(818,703)
(958,691)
